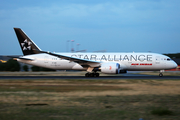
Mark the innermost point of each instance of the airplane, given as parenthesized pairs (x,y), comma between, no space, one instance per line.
(93,63)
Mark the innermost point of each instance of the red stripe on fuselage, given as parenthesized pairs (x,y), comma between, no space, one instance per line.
(141,64)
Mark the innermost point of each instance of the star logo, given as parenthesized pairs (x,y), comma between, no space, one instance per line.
(26,45)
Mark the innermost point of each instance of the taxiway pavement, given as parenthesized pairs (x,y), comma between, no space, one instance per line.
(83,77)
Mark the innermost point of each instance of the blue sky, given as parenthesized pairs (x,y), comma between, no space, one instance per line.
(112,25)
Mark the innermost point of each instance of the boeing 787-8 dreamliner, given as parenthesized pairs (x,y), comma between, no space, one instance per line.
(93,63)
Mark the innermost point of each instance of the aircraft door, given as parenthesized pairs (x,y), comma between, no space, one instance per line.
(158,60)
(46,60)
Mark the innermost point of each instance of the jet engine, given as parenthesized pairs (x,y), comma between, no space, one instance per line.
(113,68)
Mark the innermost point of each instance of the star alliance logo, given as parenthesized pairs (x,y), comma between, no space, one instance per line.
(26,45)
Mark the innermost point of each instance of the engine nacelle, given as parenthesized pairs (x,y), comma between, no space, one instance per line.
(113,68)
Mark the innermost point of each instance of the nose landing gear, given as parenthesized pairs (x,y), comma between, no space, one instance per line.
(161,73)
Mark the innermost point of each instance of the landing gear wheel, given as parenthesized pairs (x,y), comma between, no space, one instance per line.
(87,74)
(160,75)
(92,75)
(96,74)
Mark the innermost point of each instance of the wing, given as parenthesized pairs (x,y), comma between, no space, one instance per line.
(82,62)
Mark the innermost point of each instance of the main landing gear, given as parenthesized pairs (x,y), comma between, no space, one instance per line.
(161,73)
(92,74)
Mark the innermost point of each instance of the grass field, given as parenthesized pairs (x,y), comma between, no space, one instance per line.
(53,99)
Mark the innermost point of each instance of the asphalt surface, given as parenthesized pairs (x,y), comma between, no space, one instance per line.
(133,76)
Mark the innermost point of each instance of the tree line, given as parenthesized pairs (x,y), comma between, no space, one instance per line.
(175,55)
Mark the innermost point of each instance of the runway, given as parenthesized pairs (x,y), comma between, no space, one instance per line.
(95,78)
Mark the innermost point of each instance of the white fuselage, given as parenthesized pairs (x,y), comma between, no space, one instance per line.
(127,61)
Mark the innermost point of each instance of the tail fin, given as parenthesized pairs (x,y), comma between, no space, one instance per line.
(28,47)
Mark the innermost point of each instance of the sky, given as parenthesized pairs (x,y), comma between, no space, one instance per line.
(111,25)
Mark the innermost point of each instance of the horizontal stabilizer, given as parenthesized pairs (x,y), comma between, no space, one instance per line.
(26,59)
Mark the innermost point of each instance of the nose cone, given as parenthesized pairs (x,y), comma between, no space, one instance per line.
(173,64)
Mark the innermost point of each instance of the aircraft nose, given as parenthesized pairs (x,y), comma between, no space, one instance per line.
(174,64)
(171,65)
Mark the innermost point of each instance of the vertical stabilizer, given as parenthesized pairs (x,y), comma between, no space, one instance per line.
(28,47)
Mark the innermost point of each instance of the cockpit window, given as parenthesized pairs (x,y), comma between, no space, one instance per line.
(168,59)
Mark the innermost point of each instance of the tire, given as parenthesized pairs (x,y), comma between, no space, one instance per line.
(160,75)
(92,74)
(96,75)
(87,75)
